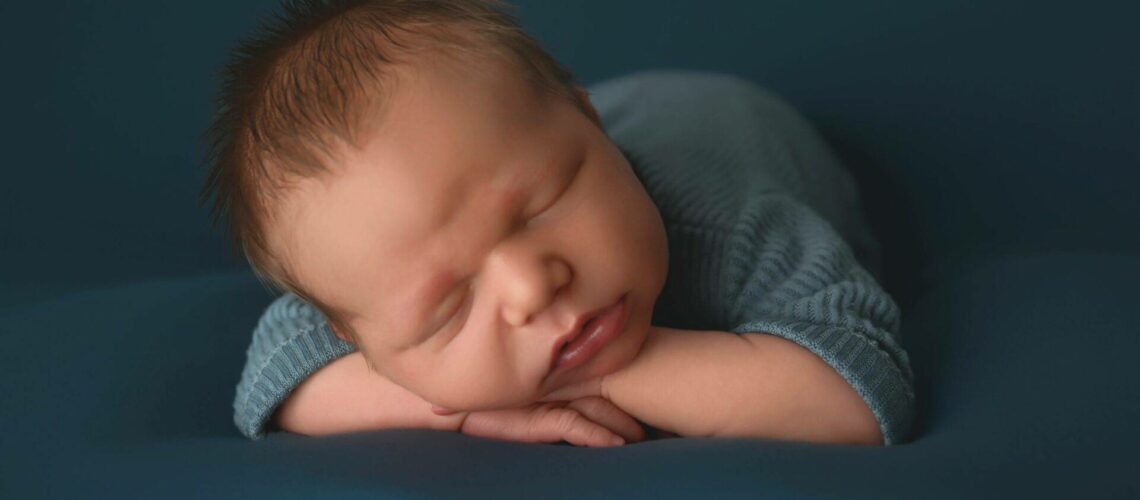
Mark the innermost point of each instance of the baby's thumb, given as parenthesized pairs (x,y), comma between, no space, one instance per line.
(575,391)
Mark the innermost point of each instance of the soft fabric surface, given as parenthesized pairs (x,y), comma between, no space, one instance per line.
(1023,364)
(986,138)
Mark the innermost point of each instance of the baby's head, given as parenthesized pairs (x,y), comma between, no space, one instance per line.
(434,183)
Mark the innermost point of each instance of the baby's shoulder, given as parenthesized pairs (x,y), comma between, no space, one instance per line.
(701,142)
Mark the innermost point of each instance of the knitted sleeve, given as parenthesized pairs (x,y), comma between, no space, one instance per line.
(789,274)
(290,342)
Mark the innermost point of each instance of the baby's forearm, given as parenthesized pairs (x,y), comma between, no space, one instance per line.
(712,383)
(345,396)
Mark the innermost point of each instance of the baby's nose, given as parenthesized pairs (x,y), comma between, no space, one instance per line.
(531,293)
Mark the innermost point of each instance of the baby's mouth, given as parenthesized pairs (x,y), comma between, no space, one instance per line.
(594,335)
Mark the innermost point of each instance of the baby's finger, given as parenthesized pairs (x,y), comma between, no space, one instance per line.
(607,414)
(547,423)
(439,410)
(584,389)
(567,424)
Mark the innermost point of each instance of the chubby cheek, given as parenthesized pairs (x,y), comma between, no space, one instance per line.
(651,244)
(466,378)
(635,235)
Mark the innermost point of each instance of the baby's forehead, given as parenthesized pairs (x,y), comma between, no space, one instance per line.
(419,161)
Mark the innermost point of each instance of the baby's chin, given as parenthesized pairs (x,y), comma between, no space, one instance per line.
(616,356)
(625,349)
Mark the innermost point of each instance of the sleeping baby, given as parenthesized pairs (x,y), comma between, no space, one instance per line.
(469,241)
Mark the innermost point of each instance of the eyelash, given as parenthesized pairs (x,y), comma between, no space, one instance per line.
(561,193)
(545,206)
(459,306)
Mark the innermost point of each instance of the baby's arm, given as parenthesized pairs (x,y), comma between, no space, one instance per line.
(303,379)
(345,396)
(719,384)
(803,343)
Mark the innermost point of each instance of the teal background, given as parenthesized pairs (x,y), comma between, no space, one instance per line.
(974,128)
(995,144)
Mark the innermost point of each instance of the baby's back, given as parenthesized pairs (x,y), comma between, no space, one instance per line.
(729,138)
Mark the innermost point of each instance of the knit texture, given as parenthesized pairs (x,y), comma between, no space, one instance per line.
(766,235)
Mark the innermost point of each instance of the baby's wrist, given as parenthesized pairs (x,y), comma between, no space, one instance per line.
(461,420)
(603,389)
(442,419)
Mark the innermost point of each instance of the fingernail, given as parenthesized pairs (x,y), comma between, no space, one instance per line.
(617,441)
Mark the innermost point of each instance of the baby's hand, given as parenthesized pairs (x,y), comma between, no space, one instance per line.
(590,421)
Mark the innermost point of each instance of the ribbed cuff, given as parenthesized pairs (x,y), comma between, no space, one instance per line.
(292,340)
(870,370)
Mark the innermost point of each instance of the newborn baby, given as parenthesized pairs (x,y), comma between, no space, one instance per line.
(471,242)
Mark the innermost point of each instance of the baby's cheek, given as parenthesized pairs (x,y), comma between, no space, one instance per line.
(483,389)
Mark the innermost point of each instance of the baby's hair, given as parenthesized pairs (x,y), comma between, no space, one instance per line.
(311,82)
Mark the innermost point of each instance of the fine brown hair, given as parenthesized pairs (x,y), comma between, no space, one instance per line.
(306,86)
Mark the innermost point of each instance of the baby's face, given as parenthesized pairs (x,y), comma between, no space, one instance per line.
(470,233)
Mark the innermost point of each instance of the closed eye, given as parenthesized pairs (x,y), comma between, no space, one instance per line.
(561,192)
(455,306)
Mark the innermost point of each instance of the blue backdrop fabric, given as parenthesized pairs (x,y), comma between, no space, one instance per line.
(995,148)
